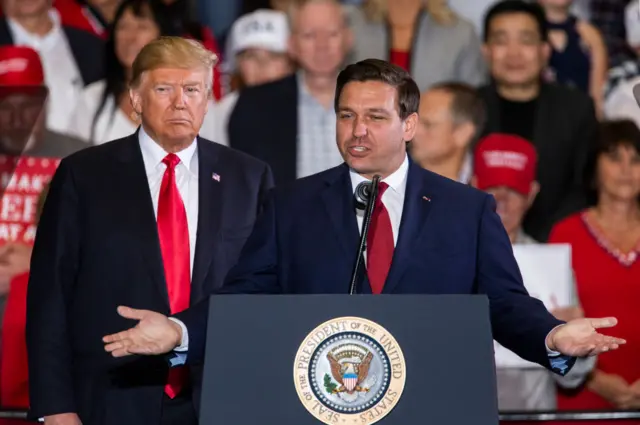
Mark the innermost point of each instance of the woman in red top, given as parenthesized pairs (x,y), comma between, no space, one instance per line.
(605,243)
(14,374)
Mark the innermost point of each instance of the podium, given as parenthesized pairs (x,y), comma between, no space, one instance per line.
(349,359)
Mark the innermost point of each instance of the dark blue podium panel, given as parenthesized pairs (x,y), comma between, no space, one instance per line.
(349,360)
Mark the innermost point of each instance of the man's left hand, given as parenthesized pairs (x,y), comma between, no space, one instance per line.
(580,338)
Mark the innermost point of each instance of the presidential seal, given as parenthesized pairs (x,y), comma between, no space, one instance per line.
(349,371)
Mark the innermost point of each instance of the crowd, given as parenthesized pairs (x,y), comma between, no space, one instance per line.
(531,101)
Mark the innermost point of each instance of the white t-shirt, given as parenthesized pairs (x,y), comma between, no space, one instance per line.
(112,123)
(621,104)
(222,113)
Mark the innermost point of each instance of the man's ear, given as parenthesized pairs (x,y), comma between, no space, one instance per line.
(533,192)
(136,101)
(463,135)
(410,125)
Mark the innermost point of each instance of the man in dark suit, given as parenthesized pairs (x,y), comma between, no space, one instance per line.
(289,123)
(560,121)
(428,235)
(153,220)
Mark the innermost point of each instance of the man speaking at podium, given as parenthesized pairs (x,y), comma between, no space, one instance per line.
(428,235)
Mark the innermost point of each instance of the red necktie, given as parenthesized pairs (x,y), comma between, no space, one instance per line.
(379,244)
(173,232)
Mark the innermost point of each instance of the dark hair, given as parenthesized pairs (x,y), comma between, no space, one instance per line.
(510,7)
(379,70)
(116,79)
(466,105)
(611,136)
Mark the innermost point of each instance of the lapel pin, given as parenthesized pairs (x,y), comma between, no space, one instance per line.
(216,177)
(426,199)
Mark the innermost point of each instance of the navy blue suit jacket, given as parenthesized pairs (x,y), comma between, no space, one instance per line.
(452,242)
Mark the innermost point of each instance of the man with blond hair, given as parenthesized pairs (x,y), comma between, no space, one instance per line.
(153,220)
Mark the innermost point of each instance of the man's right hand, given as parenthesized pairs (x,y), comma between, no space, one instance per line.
(154,334)
(62,419)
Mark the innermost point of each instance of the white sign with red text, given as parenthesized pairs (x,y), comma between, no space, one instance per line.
(22,180)
(547,275)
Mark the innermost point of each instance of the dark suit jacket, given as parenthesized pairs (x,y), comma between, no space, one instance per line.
(264,124)
(565,128)
(453,244)
(96,248)
(87,49)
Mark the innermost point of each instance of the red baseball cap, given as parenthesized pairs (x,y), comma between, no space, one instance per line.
(20,69)
(505,160)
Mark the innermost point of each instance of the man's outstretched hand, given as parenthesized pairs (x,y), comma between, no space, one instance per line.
(154,334)
(580,337)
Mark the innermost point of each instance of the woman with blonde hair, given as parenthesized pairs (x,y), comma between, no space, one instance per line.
(423,36)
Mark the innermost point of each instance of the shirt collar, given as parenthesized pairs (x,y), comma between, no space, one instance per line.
(396,180)
(153,153)
(37,41)
(466,172)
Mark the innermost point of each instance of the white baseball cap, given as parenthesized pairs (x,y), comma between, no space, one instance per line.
(262,29)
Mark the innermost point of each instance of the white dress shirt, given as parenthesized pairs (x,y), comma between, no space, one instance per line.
(186,180)
(392,198)
(61,73)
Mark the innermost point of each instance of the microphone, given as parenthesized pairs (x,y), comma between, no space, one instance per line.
(365,199)
(361,195)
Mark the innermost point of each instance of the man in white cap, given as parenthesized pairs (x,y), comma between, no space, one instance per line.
(258,55)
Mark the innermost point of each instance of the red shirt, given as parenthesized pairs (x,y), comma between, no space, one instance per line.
(608,284)
(14,374)
(400,58)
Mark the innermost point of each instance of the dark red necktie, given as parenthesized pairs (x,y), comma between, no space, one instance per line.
(379,243)
(174,244)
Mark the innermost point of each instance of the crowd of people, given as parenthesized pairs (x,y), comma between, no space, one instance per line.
(531,101)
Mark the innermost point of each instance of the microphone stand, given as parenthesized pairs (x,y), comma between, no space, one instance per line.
(373,194)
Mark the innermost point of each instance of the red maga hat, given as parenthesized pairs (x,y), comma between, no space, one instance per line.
(505,160)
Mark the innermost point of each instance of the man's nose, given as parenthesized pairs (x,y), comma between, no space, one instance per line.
(179,99)
(359,128)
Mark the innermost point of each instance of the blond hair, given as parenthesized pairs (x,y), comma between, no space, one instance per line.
(376,11)
(173,52)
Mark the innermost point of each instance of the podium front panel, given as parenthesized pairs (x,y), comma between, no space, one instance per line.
(255,342)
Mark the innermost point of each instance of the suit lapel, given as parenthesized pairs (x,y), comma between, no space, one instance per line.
(134,189)
(6,38)
(338,202)
(209,215)
(415,212)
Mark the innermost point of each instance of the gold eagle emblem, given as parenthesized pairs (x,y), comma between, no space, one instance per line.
(350,375)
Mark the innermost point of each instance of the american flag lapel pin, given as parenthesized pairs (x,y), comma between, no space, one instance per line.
(426,199)
(216,177)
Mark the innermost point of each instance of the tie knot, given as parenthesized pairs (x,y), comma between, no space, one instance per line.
(382,187)
(171,160)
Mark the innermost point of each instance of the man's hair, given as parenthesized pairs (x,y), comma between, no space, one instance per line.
(466,105)
(379,70)
(173,52)
(510,7)
(294,6)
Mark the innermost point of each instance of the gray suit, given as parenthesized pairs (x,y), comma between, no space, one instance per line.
(439,53)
